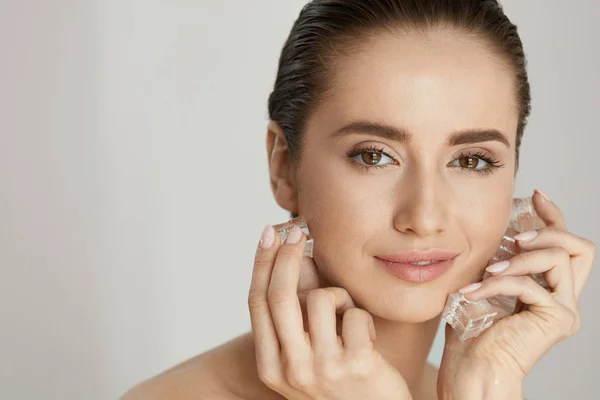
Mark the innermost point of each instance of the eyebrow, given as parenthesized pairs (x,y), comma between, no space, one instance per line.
(478,136)
(467,136)
(375,129)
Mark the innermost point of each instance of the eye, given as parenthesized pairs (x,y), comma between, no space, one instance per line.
(372,157)
(476,162)
(471,162)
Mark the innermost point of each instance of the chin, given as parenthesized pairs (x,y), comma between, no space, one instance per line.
(413,304)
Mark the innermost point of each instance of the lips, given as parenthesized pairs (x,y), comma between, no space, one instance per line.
(418,267)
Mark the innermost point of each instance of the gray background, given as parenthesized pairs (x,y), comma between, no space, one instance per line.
(133,181)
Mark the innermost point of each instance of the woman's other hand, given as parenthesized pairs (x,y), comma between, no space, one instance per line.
(327,354)
(506,352)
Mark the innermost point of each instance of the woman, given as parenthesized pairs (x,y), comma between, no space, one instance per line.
(395,131)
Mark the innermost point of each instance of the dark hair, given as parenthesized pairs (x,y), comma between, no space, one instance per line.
(327,28)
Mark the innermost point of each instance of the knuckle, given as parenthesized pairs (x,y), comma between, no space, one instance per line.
(287,252)
(357,316)
(278,297)
(526,280)
(256,299)
(551,251)
(359,366)
(319,295)
(269,377)
(569,323)
(591,246)
(338,291)
(299,377)
(561,254)
(261,262)
(342,296)
(495,279)
(353,314)
(328,370)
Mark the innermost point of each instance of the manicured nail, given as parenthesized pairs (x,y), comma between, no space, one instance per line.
(470,288)
(544,195)
(294,235)
(267,238)
(498,267)
(526,236)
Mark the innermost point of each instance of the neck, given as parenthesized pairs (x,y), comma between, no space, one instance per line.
(406,347)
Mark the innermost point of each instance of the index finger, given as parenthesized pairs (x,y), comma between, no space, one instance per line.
(265,336)
(283,295)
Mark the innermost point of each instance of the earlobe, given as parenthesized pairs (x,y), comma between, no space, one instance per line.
(281,169)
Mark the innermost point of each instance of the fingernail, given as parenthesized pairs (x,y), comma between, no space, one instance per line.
(267,238)
(498,267)
(294,235)
(526,236)
(470,288)
(544,195)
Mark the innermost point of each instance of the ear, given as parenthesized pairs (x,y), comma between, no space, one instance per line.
(281,169)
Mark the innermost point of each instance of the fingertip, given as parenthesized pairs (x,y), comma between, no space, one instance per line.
(267,239)
(543,196)
(525,237)
(294,236)
(542,200)
(548,210)
(470,288)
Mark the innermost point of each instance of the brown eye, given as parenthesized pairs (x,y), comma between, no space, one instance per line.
(469,162)
(371,158)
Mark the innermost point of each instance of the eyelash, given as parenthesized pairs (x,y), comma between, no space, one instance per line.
(370,149)
(492,165)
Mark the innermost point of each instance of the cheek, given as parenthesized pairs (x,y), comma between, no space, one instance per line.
(482,205)
(333,205)
(483,223)
(340,211)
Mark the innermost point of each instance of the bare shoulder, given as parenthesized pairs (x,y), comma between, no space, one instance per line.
(192,379)
(207,376)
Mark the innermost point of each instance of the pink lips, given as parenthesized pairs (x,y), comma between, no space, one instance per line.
(431,264)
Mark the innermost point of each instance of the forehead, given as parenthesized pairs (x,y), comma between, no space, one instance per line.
(434,83)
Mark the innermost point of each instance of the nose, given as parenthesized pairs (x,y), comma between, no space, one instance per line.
(423,207)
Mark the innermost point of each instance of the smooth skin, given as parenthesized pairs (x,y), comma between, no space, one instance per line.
(412,148)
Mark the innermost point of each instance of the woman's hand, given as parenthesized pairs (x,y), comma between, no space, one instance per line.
(316,362)
(506,352)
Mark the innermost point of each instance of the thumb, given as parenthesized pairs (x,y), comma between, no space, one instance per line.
(548,211)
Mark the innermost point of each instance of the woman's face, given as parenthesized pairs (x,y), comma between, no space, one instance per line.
(411,154)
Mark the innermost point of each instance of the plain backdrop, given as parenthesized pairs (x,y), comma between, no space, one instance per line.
(133,181)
